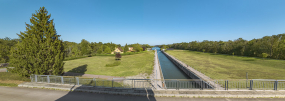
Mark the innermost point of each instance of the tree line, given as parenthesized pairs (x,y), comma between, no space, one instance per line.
(89,48)
(73,49)
(273,45)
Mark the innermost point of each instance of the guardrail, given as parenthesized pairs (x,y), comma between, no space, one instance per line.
(231,84)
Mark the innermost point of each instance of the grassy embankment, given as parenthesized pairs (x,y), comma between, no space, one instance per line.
(130,65)
(11,79)
(219,66)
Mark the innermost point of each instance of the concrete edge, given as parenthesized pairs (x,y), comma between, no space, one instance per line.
(158,95)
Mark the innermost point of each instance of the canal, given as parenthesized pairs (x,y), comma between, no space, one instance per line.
(169,70)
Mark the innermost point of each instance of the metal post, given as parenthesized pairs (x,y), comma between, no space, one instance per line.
(94,81)
(250,84)
(36,78)
(202,86)
(103,83)
(62,80)
(246,79)
(77,80)
(176,85)
(263,85)
(113,82)
(134,83)
(275,85)
(225,84)
(238,85)
(48,80)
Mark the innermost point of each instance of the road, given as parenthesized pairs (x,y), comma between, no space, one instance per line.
(33,94)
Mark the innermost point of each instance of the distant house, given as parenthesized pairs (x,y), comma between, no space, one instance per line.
(148,49)
(117,50)
(131,49)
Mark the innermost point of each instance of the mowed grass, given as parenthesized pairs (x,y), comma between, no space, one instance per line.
(219,66)
(130,65)
(11,79)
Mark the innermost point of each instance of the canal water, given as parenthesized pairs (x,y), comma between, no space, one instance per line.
(169,70)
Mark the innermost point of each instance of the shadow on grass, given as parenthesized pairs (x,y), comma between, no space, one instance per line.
(78,71)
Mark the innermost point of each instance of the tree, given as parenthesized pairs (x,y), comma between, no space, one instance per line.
(126,48)
(264,55)
(75,50)
(204,50)
(100,51)
(4,53)
(107,50)
(137,47)
(85,47)
(5,46)
(40,50)
(118,56)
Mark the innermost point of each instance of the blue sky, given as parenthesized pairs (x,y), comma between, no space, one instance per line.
(149,21)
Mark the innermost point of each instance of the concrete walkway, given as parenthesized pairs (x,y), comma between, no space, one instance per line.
(90,75)
(29,94)
(157,76)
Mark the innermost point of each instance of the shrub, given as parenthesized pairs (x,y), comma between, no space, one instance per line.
(116,63)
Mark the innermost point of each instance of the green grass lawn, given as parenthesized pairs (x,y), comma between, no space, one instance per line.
(11,79)
(130,65)
(231,67)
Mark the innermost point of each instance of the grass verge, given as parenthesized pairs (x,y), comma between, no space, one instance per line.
(218,66)
(11,79)
(130,65)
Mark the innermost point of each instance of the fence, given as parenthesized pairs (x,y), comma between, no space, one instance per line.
(237,84)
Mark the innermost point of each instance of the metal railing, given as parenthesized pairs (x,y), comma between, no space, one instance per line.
(233,84)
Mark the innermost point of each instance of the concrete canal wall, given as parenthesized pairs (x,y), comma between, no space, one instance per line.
(202,79)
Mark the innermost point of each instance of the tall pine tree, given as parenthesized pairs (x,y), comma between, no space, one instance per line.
(40,50)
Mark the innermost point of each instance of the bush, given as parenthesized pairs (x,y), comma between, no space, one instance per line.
(116,63)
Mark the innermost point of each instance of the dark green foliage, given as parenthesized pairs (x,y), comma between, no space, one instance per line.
(137,47)
(5,46)
(40,50)
(126,48)
(273,45)
(100,51)
(107,50)
(85,47)
(116,63)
